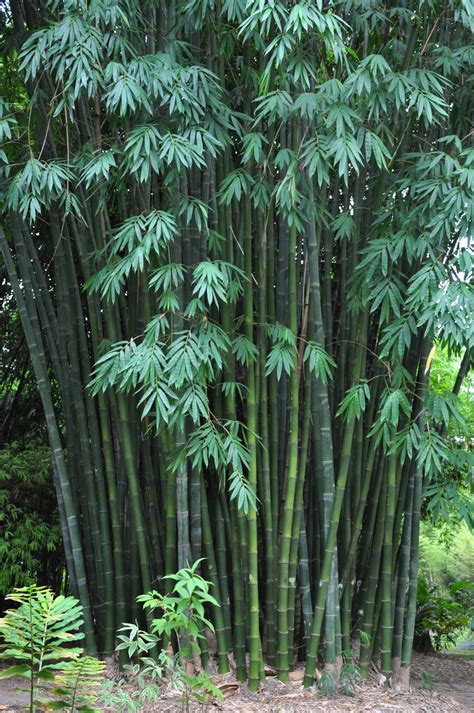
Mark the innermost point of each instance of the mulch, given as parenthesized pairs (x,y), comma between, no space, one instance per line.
(451,678)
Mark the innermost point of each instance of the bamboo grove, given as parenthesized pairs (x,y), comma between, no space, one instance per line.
(235,231)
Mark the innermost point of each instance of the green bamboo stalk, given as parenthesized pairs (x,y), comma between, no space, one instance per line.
(284,575)
(304,580)
(387,570)
(219,623)
(402,579)
(328,555)
(238,597)
(298,512)
(221,561)
(357,524)
(407,645)
(266,482)
(33,339)
(331,540)
(323,445)
(371,588)
(254,606)
(195,514)
(292,473)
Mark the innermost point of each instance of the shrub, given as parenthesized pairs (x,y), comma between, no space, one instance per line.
(440,618)
(30,547)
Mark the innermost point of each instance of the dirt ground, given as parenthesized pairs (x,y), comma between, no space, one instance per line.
(447,685)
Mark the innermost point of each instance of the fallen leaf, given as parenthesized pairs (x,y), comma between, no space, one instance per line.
(296,675)
(228,689)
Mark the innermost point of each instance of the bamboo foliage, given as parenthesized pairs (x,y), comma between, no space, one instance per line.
(234,232)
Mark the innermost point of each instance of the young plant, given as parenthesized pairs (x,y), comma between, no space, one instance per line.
(426,682)
(183,615)
(183,609)
(147,671)
(120,696)
(182,619)
(76,685)
(349,677)
(327,684)
(39,635)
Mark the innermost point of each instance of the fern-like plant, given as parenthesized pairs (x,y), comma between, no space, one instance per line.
(76,685)
(40,636)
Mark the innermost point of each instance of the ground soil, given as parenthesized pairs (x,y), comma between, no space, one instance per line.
(439,683)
